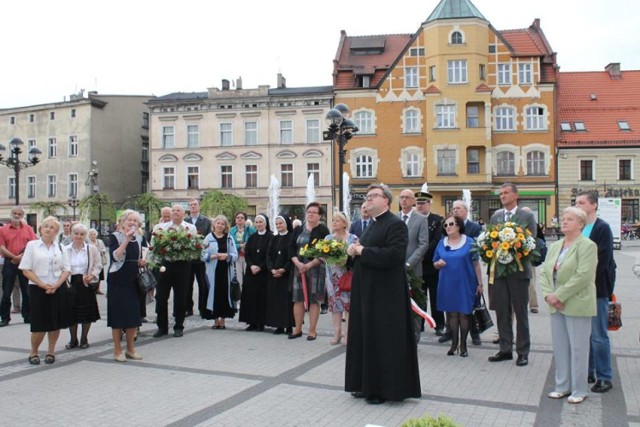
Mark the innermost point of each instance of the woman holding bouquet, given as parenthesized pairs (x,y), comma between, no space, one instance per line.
(309,273)
(220,254)
(339,300)
(253,305)
(459,282)
(279,304)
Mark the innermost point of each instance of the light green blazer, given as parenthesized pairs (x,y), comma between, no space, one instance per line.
(576,279)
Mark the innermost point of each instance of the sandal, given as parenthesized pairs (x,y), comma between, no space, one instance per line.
(49,359)
(72,344)
(34,360)
(84,344)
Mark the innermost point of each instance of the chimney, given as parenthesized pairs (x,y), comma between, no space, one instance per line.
(239,83)
(536,23)
(613,68)
(282,82)
(225,84)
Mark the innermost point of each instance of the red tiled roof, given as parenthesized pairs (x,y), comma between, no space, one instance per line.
(616,99)
(525,42)
(347,65)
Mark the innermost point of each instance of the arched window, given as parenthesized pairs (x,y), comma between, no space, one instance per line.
(456,37)
(412,162)
(506,163)
(411,122)
(535,163)
(364,166)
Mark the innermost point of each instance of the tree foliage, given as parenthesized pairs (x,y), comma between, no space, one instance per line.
(98,206)
(215,203)
(49,208)
(148,203)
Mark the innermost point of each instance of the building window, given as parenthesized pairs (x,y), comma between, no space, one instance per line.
(31,143)
(411,77)
(492,48)
(52,185)
(73,146)
(73,113)
(456,37)
(31,187)
(364,166)
(226,134)
(286,175)
(482,72)
(457,71)
(52,115)
(473,116)
(12,120)
(169,178)
(445,116)
(52,149)
(473,160)
(630,211)
(624,125)
(226,173)
(193,136)
(251,133)
(504,74)
(251,176)
(314,169)
(587,170)
(524,74)
(193,177)
(32,118)
(416,51)
(412,164)
(446,162)
(505,118)
(625,169)
(535,118)
(579,126)
(411,121)
(73,184)
(145,120)
(565,126)
(432,73)
(313,131)
(364,121)
(11,187)
(506,163)
(168,137)
(145,152)
(535,163)
(286,132)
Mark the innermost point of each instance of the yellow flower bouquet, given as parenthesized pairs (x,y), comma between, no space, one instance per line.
(505,247)
(330,251)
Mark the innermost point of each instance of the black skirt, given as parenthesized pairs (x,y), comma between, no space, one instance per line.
(50,312)
(85,304)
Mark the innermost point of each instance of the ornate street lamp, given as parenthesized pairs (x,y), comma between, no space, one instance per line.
(14,163)
(341,129)
(73,203)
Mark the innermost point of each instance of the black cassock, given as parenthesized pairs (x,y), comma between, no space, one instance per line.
(253,304)
(382,356)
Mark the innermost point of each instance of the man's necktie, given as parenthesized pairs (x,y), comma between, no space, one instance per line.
(364,225)
(405,218)
(507,216)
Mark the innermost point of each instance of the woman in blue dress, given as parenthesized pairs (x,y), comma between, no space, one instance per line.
(459,282)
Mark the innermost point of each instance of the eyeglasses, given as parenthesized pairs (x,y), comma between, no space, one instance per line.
(372,196)
(449,224)
(313,212)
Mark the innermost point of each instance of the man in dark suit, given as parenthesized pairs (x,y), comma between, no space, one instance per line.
(381,336)
(360,225)
(599,231)
(418,231)
(429,273)
(203,225)
(511,292)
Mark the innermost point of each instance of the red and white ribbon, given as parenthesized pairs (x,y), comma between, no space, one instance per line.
(420,312)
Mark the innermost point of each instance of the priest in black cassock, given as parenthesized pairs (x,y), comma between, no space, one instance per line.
(382,360)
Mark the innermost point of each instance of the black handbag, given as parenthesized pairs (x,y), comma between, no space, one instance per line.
(235,289)
(481,317)
(146,281)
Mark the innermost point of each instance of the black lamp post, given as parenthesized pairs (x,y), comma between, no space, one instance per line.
(14,163)
(73,203)
(341,129)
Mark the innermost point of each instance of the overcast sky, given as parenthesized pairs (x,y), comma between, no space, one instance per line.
(51,49)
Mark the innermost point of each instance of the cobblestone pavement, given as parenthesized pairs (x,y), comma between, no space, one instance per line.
(236,378)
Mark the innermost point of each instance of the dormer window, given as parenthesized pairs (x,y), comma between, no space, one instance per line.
(565,126)
(456,37)
(624,125)
(579,126)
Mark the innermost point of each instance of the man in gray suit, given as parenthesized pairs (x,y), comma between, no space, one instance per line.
(203,225)
(511,292)
(418,231)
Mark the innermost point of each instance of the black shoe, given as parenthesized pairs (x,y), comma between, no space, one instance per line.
(27,321)
(251,328)
(475,340)
(375,400)
(294,336)
(444,338)
(178,333)
(440,331)
(499,357)
(323,309)
(602,386)
(523,360)
(160,333)
(278,331)
(4,323)
(496,341)
(591,379)
(357,394)
(260,328)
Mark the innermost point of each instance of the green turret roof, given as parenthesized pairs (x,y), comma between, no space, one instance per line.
(454,9)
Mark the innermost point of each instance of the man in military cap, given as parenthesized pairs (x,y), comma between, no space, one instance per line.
(429,273)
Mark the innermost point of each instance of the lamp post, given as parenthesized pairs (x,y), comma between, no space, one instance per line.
(14,163)
(341,129)
(73,203)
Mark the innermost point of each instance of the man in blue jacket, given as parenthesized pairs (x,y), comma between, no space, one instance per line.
(599,231)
